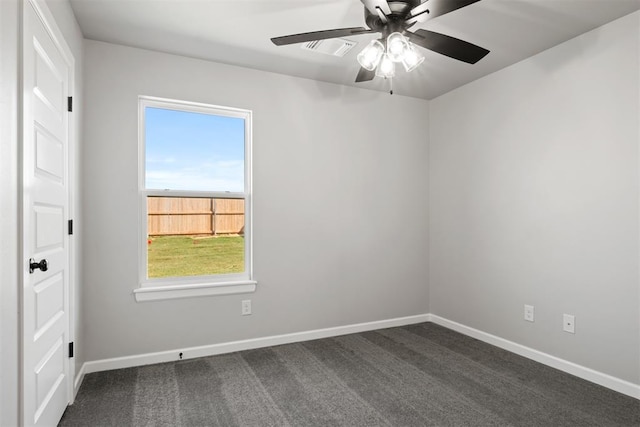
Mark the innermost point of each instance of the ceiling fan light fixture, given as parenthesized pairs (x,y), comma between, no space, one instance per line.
(370,56)
(411,58)
(397,44)
(386,69)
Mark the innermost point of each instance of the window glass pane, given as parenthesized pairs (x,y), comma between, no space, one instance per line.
(193,151)
(194,236)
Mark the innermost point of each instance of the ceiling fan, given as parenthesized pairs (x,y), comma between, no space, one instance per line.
(393,19)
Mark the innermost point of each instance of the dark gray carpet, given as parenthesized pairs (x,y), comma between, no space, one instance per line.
(418,375)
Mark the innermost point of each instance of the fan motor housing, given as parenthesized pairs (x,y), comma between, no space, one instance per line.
(399,12)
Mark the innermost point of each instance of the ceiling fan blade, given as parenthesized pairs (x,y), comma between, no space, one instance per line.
(319,35)
(432,8)
(365,75)
(372,5)
(448,46)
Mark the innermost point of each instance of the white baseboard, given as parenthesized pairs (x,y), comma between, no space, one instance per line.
(588,374)
(211,350)
(78,380)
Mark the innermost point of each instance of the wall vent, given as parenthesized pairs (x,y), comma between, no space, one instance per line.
(335,47)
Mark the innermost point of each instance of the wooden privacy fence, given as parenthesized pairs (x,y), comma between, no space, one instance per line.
(194,215)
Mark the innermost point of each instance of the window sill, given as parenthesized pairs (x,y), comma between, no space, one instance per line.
(156,293)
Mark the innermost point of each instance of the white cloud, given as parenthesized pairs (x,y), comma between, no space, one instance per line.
(210,176)
(163,160)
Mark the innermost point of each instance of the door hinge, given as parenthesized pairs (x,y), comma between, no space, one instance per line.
(70,103)
(70,227)
(70,349)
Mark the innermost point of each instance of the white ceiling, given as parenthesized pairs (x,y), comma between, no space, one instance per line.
(238,32)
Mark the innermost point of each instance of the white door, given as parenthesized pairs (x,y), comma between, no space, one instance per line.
(45,296)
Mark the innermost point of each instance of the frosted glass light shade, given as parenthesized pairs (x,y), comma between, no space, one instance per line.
(370,55)
(411,58)
(397,44)
(386,68)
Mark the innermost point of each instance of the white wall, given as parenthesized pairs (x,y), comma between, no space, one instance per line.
(533,193)
(339,204)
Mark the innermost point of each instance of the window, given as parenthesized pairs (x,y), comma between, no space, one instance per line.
(195,200)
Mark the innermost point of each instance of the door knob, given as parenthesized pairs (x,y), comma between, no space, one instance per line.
(42,265)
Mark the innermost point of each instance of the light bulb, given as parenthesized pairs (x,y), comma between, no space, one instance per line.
(396,46)
(370,55)
(386,68)
(411,58)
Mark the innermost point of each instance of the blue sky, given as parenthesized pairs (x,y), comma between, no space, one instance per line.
(193,151)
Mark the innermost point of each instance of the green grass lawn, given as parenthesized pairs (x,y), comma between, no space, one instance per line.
(171,256)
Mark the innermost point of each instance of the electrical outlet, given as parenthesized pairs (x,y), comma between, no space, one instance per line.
(528,313)
(246,307)
(569,323)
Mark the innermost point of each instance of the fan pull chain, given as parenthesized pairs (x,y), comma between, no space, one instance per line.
(390,85)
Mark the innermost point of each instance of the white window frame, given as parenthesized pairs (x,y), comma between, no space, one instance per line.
(193,286)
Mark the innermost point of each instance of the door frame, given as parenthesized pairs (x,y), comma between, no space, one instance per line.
(10,28)
(51,27)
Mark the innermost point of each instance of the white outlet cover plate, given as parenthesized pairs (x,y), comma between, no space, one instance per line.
(246,307)
(569,323)
(529,313)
